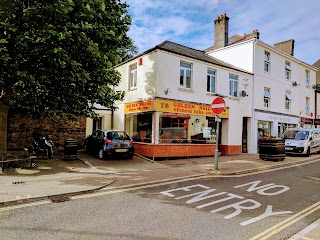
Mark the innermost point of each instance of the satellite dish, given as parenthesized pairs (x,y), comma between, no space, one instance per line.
(243,93)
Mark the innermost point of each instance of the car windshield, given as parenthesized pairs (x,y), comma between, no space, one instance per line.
(296,134)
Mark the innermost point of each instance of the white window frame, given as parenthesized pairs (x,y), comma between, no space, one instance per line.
(133,72)
(211,80)
(266,66)
(307,81)
(233,85)
(266,97)
(287,70)
(184,69)
(288,99)
(307,108)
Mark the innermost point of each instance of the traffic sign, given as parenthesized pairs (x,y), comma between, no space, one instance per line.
(218,105)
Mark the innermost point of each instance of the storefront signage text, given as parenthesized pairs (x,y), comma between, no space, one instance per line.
(187,108)
(306,120)
(142,106)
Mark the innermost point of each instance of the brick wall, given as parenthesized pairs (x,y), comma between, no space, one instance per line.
(183,150)
(21,126)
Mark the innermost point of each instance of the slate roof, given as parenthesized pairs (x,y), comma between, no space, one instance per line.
(172,47)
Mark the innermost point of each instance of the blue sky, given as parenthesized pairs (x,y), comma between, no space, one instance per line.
(190,22)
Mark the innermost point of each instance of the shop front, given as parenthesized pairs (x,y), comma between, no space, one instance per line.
(272,124)
(169,128)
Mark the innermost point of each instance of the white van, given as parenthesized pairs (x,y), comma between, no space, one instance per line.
(302,140)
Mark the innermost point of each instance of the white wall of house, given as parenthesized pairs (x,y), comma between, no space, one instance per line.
(161,71)
(239,55)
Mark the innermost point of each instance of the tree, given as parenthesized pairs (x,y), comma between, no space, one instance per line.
(57,56)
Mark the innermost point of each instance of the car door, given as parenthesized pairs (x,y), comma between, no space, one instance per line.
(90,141)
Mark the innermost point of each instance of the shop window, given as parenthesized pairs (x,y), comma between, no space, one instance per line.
(173,128)
(142,127)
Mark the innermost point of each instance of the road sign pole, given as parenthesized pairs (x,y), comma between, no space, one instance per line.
(216,152)
(218,106)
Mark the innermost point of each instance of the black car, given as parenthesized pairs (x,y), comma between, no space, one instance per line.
(105,143)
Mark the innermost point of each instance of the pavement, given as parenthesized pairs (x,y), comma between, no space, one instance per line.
(56,178)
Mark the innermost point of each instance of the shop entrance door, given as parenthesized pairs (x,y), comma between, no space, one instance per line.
(245,135)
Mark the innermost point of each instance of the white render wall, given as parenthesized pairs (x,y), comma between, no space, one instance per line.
(161,71)
(240,55)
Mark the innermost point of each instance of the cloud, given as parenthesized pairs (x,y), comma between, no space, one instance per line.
(190,22)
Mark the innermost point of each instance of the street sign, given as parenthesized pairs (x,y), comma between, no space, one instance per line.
(218,105)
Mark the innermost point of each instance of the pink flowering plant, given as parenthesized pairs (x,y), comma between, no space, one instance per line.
(269,138)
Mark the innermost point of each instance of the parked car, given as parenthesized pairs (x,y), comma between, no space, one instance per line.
(302,140)
(106,143)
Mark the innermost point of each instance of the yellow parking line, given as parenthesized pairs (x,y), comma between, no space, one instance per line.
(24,205)
(286,223)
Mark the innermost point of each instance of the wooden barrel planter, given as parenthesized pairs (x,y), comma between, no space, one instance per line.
(272,149)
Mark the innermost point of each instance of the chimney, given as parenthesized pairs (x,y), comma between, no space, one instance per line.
(255,33)
(285,46)
(221,31)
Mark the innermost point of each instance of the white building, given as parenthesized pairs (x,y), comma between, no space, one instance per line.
(169,91)
(283,86)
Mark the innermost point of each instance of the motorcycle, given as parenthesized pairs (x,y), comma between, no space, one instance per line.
(42,145)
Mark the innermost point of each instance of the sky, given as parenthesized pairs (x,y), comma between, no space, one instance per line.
(190,22)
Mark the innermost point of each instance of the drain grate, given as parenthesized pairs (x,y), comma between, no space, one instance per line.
(59,199)
(21,182)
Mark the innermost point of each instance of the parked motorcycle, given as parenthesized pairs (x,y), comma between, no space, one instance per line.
(42,145)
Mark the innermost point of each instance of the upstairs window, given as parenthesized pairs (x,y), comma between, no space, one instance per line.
(133,76)
(266,61)
(288,70)
(307,105)
(185,75)
(233,85)
(267,97)
(211,81)
(288,100)
(307,81)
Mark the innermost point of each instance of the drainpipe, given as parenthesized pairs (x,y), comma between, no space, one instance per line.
(315,106)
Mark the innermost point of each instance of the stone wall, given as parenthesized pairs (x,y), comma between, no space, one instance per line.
(21,126)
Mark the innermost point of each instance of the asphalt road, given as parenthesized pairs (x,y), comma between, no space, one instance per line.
(270,205)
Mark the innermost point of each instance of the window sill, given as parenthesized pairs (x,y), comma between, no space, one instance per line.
(211,94)
(233,97)
(132,89)
(185,89)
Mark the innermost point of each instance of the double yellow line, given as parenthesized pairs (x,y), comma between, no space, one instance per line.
(286,223)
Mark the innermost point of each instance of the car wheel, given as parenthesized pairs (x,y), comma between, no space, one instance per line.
(101,154)
(308,152)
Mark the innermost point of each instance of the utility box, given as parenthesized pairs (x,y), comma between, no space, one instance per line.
(70,149)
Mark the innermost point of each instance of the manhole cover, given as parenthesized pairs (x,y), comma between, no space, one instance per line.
(59,199)
(21,182)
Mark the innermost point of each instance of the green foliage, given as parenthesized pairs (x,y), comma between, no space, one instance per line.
(57,56)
